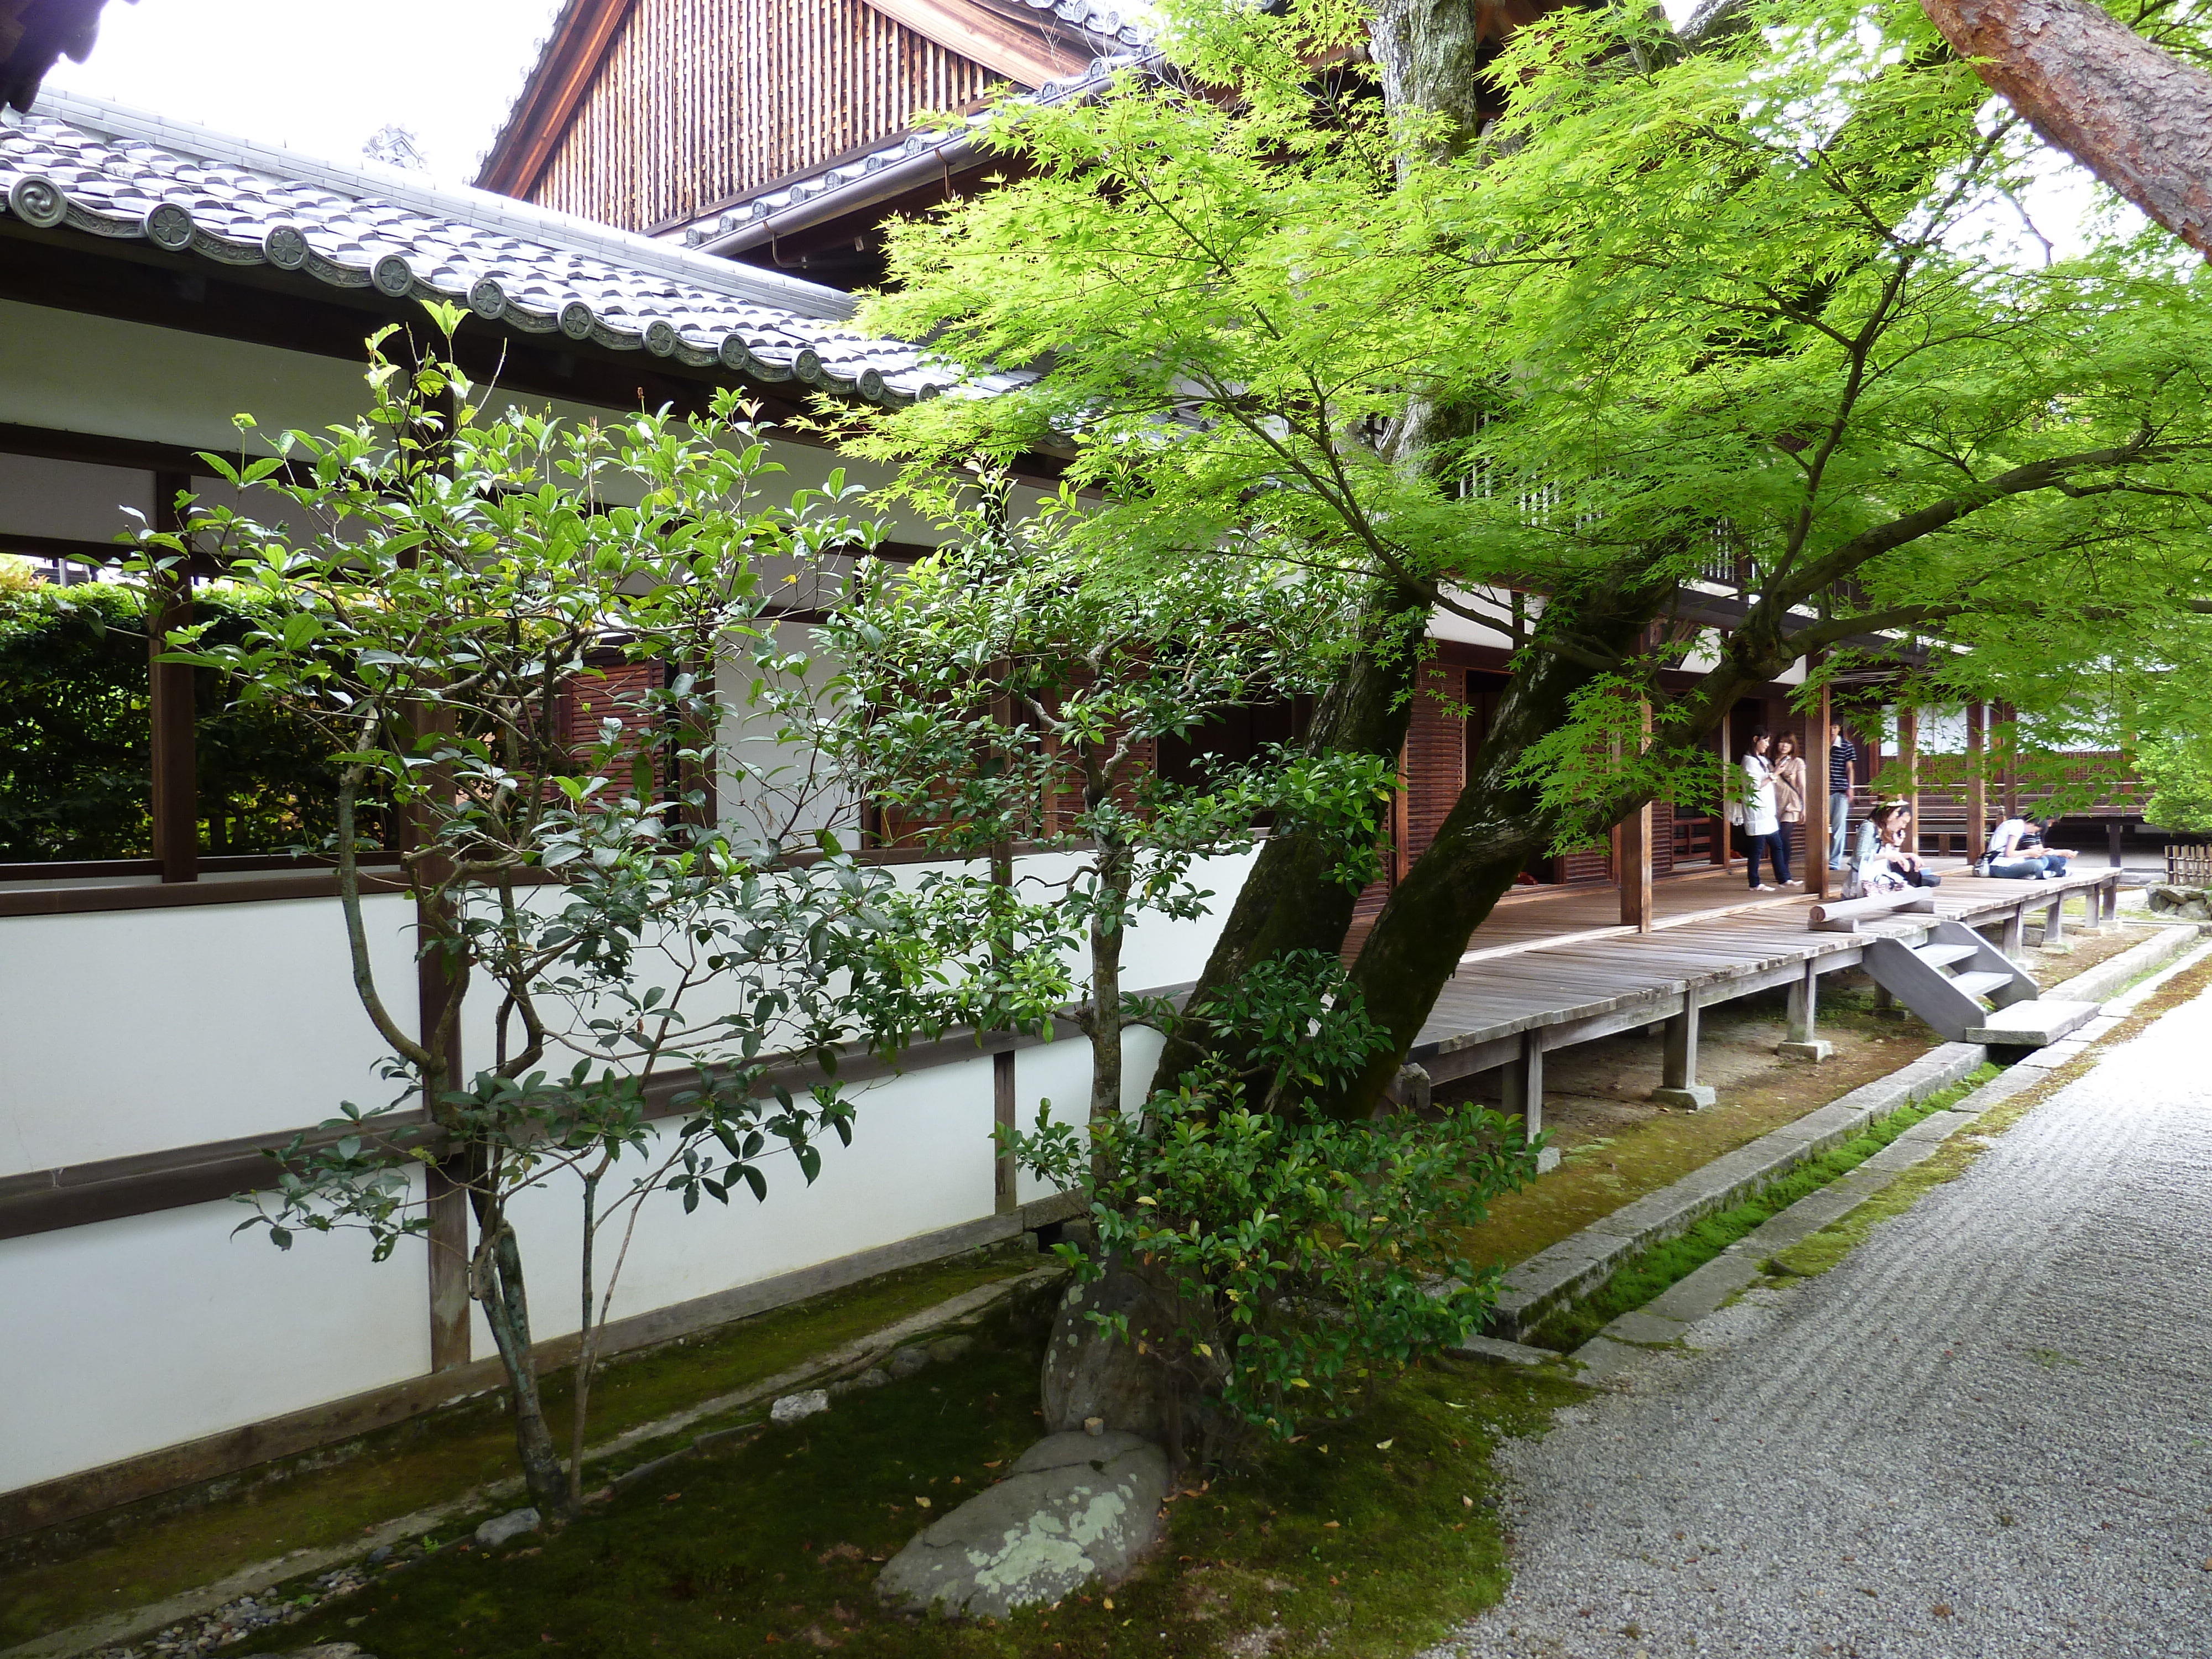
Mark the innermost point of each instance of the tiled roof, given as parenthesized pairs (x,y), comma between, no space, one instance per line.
(111,172)
(853,178)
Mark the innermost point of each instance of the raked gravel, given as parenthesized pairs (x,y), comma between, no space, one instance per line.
(1987,1432)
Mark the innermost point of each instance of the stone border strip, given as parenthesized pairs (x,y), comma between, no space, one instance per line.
(120,1629)
(1580,1263)
(1584,1261)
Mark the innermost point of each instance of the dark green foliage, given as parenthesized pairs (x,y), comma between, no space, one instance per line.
(74,752)
(1308,1259)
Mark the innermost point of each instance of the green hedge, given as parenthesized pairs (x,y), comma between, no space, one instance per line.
(74,751)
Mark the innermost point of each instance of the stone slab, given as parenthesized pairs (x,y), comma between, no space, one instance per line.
(1499,1351)
(1643,1325)
(2031,1024)
(1601,1358)
(1813,1052)
(1695,1098)
(1695,1296)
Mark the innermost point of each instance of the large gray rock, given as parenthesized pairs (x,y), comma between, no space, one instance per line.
(1075,1508)
(503,1528)
(2181,904)
(1088,1373)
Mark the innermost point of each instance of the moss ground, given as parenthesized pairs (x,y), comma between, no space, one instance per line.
(1650,1272)
(1615,1146)
(1370,1537)
(433,1459)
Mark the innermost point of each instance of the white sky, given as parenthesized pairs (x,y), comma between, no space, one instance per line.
(321,76)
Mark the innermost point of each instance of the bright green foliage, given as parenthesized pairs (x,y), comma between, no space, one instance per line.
(1308,1258)
(652,966)
(1686,306)
(74,750)
(2180,776)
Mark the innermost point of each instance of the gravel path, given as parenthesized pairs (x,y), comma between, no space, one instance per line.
(1988,1432)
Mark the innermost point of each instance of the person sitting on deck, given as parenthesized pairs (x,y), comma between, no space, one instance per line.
(1887,863)
(2016,852)
(1762,828)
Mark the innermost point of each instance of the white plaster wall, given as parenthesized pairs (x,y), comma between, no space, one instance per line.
(117,380)
(130,1335)
(66,370)
(136,1030)
(920,1160)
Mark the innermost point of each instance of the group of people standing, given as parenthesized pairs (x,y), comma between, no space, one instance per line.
(1887,855)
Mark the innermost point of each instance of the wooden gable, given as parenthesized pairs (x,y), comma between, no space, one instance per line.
(645,114)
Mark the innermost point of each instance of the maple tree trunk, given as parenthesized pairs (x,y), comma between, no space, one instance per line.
(1289,901)
(2135,115)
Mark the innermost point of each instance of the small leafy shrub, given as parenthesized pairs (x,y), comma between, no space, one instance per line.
(1308,1258)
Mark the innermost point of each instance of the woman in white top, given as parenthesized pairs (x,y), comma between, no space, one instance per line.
(1762,827)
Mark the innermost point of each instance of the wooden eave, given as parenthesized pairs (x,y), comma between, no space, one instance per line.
(564,73)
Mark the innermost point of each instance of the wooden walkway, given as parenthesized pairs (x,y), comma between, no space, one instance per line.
(1549,970)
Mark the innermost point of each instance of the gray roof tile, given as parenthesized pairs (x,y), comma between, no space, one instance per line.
(111,172)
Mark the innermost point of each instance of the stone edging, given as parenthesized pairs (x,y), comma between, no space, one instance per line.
(117,1629)
(1584,1261)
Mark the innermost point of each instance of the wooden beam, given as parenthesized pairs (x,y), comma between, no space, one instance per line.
(564,72)
(999,44)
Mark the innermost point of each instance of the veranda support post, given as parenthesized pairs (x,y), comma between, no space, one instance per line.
(1908,754)
(1816,795)
(1977,805)
(1634,863)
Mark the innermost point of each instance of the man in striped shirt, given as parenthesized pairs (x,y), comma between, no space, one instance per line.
(1843,762)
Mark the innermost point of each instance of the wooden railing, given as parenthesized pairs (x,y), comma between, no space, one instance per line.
(2189,864)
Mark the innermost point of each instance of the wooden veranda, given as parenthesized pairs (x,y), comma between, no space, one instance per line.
(1550,968)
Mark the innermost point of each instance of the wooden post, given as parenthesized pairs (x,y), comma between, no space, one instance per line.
(1678,1076)
(1816,796)
(1634,863)
(447,1203)
(1723,852)
(1978,802)
(1908,752)
(1004,1171)
(175,793)
(2009,776)
(445,1191)
(1524,1093)
(1803,1042)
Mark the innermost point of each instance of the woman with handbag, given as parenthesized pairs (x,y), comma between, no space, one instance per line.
(1761,827)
